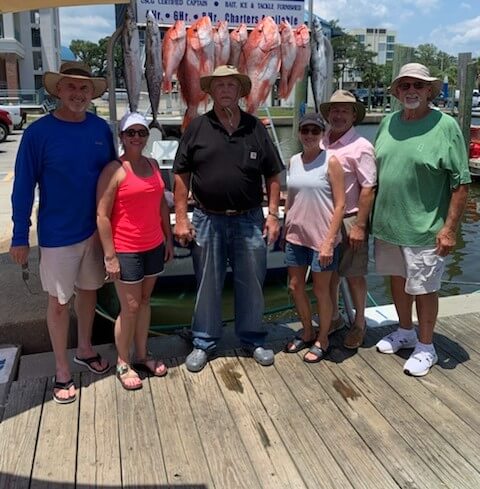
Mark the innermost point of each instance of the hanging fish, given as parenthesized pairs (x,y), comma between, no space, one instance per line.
(197,62)
(173,50)
(238,38)
(221,38)
(261,61)
(153,65)
(131,59)
(321,65)
(288,49)
(302,57)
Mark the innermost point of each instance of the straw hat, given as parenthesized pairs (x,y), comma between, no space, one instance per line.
(227,70)
(76,70)
(344,97)
(420,72)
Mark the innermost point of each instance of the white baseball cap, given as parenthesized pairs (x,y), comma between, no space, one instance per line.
(132,118)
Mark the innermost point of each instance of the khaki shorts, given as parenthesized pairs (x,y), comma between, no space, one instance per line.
(65,267)
(352,263)
(419,265)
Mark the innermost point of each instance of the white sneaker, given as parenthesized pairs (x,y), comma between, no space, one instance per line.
(396,341)
(420,362)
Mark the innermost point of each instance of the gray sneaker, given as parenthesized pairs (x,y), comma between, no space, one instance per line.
(263,356)
(196,360)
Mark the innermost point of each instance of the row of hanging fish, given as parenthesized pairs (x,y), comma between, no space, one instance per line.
(190,53)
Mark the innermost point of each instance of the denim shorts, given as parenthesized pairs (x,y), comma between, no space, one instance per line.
(134,267)
(302,256)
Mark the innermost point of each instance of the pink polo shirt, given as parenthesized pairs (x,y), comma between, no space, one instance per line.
(357,158)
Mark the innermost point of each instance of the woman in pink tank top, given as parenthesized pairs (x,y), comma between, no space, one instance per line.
(133,222)
(314,213)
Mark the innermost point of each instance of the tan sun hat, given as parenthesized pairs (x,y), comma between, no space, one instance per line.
(227,70)
(73,69)
(420,72)
(344,97)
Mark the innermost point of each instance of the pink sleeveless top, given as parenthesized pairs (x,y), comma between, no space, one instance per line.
(136,219)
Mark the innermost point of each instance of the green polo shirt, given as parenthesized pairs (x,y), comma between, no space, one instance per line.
(419,164)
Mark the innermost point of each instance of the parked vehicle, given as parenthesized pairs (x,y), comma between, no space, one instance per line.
(361,94)
(6,125)
(17,114)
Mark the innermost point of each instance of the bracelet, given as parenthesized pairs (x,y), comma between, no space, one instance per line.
(274,214)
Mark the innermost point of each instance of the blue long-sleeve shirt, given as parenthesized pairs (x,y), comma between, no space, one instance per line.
(65,160)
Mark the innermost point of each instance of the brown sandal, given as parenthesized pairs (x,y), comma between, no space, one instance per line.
(124,372)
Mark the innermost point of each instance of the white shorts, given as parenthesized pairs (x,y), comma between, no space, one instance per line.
(419,265)
(65,267)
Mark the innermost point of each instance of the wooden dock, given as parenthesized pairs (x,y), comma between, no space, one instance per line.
(352,421)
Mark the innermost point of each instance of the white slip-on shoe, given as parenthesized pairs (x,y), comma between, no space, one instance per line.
(396,341)
(420,362)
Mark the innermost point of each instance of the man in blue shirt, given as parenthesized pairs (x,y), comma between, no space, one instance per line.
(63,153)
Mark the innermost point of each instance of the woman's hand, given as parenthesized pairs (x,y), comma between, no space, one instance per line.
(325,255)
(168,249)
(112,268)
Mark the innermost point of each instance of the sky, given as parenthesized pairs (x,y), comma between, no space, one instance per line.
(452,26)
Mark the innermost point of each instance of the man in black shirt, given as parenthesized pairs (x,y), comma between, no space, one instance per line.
(224,157)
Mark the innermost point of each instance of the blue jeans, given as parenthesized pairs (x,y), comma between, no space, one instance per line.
(236,241)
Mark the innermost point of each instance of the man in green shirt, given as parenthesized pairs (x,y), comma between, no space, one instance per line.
(422,191)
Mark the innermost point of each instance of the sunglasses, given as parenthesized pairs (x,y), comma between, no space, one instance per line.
(418,85)
(143,133)
(312,130)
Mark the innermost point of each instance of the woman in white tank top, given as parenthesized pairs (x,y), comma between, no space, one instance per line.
(314,212)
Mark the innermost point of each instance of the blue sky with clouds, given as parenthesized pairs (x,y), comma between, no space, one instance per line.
(453,26)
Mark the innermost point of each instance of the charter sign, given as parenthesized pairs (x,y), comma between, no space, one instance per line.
(234,11)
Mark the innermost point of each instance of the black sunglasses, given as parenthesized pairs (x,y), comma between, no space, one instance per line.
(312,130)
(418,85)
(143,133)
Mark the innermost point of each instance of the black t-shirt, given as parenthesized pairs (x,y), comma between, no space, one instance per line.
(227,169)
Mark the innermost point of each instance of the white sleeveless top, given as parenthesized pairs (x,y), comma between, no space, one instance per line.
(310,200)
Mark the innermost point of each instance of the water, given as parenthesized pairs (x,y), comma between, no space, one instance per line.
(462,271)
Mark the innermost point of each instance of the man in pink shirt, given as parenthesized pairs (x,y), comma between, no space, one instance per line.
(357,158)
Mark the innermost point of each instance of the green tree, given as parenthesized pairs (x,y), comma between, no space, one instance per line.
(438,62)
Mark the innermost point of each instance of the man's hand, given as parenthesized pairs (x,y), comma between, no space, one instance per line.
(184,232)
(271,229)
(20,254)
(446,241)
(356,237)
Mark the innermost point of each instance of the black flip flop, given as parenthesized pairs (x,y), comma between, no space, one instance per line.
(64,386)
(319,353)
(88,362)
(299,345)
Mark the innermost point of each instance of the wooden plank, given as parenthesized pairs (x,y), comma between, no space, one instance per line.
(18,432)
(140,449)
(56,452)
(226,455)
(370,405)
(98,458)
(273,465)
(352,454)
(185,461)
(308,451)
(450,446)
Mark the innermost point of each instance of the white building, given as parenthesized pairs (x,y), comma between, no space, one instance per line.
(29,46)
(378,40)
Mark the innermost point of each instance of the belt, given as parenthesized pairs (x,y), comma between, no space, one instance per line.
(350,214)
(226,212)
